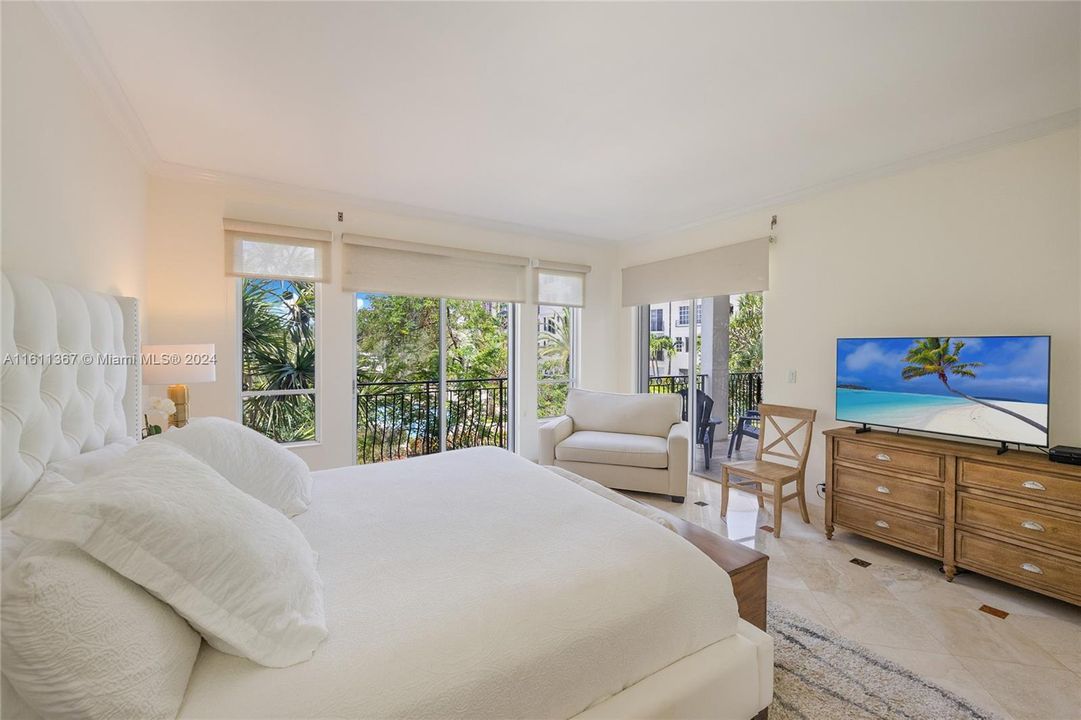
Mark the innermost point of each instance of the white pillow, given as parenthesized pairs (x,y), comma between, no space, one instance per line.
(81,641)
(248,459)
(241,573)
(76,469)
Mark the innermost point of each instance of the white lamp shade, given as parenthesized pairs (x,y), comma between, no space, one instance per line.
(178,364)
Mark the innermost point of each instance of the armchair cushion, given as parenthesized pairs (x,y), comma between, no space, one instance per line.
(637,414)
(612,448)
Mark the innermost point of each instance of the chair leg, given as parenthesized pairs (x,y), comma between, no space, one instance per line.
(761,500)
(778,491)
(731,444)
(802,501)
(724,490)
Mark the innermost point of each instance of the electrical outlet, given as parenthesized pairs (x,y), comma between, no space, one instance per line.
(791,376)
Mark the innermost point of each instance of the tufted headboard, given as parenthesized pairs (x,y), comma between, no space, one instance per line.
(71,377)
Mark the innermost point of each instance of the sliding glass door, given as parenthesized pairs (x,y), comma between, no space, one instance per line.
(432,374)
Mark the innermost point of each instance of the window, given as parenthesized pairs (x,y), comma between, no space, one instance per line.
(656,320)
(556,358)
(698,313)
(678,342)
(684,314)
(277,382)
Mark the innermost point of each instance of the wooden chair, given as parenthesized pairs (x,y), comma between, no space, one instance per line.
(759,472)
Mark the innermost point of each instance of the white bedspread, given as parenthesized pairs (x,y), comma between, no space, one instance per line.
(477,584)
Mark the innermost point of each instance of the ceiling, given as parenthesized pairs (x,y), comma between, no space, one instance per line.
(608,120)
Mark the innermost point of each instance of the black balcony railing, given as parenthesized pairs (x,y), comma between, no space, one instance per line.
(673,383)
(401,419)
(744,390)
(744,393)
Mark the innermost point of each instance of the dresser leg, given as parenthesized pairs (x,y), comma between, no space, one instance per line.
(829,532)
(950,571)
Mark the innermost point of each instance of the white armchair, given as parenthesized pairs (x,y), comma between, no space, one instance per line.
(627,442)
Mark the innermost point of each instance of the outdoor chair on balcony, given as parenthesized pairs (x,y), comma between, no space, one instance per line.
(786,425)
(706,424)
(746,426)
(626,442)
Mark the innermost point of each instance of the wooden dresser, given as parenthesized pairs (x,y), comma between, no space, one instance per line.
(1015,517)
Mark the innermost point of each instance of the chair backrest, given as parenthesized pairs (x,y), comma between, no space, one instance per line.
(787,444)
(703,409)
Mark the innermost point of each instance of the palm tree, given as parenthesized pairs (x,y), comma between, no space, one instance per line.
(555,343)
(934,356)
(661,344)
(278,353)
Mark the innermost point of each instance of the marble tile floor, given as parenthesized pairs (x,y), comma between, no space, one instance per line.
(1026,666)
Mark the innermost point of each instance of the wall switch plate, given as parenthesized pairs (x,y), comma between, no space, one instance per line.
(791,376)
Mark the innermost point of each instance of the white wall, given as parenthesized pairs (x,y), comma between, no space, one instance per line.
(189,298)
(985,244)
(74,195)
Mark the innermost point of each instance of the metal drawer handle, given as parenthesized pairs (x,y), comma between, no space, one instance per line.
(883,489)
(883,457)
(882,524)
(1032,525)
(1029,567)
(1033,485)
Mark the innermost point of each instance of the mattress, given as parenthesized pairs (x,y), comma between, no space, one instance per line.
(477,584)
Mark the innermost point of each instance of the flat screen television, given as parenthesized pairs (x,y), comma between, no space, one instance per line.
(988,388)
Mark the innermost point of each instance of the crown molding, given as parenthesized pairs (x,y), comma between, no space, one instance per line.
(187,173)
(76,36)
(1010,136)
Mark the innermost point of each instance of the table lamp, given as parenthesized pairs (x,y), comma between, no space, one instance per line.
(177,366)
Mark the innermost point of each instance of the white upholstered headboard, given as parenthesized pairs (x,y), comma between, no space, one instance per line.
(71,377)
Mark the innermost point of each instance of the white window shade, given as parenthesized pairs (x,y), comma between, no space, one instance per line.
(560,287)
(728,270)
(276,251)
(381,265)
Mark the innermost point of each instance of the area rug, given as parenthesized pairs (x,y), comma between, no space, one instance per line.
(818,675)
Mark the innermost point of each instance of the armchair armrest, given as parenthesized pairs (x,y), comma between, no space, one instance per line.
(679,456)
(553,432)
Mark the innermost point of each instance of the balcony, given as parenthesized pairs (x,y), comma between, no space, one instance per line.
(744,391)
(397,420)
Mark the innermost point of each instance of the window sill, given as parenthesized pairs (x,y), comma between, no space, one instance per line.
(300,444)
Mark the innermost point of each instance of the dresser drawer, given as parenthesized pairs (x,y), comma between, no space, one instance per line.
(916,496)
(1016,481)
(1026,567)
(890,458)
(1018,521)
(889,526)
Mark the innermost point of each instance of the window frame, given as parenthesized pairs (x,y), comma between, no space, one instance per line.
(242,394)
(571,381)
(683,315)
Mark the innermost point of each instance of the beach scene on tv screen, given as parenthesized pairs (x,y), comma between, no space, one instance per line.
(985,387)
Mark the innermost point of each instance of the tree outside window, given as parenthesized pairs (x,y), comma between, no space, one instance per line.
(278,393)
(555,358)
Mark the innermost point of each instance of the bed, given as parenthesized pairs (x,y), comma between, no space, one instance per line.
(468,584)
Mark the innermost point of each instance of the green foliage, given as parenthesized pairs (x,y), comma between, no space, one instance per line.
(398,372)
(278,353)
(554,341)
(745,335)
(660,347)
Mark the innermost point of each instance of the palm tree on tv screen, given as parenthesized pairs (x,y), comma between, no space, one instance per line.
(934,356)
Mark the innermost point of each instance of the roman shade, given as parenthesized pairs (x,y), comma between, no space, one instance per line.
(276,251)
(396,267)
(728,270)
(560,284)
